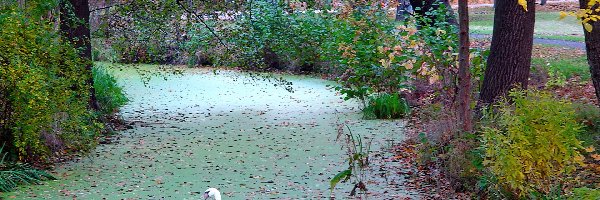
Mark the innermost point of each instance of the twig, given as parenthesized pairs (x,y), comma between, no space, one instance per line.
(203,22)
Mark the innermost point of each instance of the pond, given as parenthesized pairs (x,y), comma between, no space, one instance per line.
(224,129)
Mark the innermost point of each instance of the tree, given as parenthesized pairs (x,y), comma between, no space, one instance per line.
(75,25)
(464,75)
(510,53)
(592,45)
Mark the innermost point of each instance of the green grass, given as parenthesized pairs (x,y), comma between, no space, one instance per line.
(569,67)
(589,116)
(110,95)
(547,25)
(386,106)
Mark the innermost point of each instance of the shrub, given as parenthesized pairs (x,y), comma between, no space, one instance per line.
(266,37)
(44,92)
(386,106)
(109,95)
(532,143)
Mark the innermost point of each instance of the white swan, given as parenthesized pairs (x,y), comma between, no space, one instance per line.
(212,192)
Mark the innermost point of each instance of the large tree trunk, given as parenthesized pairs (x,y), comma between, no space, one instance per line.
(510,54)
(421,7)
(592,46)
(464,75)
(79,35)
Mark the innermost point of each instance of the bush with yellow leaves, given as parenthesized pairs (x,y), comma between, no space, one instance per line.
(532,144)
(43,91)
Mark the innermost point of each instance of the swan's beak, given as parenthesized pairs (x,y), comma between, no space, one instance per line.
(205,195)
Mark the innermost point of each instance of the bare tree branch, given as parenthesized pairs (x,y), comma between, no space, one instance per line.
(199,17)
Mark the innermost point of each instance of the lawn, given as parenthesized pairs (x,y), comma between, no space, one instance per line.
(547,25)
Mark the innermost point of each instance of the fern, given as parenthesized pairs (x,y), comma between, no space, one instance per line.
(13,174)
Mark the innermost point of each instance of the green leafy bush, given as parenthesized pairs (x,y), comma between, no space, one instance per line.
(532,143)
(109,95)
(267,36)
(386,106)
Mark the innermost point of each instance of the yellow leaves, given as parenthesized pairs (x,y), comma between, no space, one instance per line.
(385,63)
(380,49)
(440,32)
(523,3)
(584,15)
(486,162)
(409,65)
(579,159)
(563,14)
(588,27)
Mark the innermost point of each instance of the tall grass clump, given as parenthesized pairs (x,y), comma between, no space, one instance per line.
(13,174)
(386,106)
(109,94)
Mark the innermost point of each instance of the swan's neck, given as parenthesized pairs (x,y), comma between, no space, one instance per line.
(218,196)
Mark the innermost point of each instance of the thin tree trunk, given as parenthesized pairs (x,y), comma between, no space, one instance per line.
(464,75)
(592,47)
(510,54)
(79,35)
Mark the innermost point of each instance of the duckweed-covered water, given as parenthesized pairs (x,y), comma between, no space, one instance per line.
(248,138)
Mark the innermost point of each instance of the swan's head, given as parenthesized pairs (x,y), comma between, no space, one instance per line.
(212,193)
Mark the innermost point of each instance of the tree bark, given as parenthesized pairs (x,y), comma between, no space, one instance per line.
(421,7)
(510,54)
(592,47)
(464,75)
(79,35)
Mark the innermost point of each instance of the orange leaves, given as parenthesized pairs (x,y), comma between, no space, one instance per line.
(347,50)
(590,149)
(594,156)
